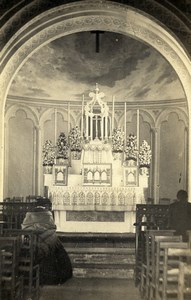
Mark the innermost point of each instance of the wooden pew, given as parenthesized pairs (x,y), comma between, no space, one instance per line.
(184,281)
(11,282)
(148,216)
(146,266)
(28,266)
(168,256)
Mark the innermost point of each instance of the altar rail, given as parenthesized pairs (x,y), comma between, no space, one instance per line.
(148,216)
(96,198)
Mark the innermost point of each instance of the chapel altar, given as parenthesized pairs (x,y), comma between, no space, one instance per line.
(96,186)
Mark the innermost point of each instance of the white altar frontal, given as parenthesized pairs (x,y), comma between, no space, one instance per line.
(96,189)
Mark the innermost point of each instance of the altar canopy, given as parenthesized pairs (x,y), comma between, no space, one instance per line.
(97,188)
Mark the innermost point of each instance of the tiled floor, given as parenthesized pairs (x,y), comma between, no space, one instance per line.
(92,289)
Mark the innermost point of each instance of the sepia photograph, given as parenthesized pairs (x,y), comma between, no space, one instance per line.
(95,150)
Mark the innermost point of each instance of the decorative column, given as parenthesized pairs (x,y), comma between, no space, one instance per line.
(6,157)
(185,170)
(156,164)
(35,162)
(39,161)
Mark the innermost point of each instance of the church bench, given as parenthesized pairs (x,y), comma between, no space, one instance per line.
(184,281)
(148,267)
(148,216)
(28,267)
(168,256)
(11,282)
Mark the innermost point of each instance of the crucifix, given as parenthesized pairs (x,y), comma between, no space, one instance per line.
(97,33)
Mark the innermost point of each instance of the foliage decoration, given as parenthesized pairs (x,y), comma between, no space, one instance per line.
(48,153)
(131,150)
(117,140)
(75,139)
(62,146)
(145,154)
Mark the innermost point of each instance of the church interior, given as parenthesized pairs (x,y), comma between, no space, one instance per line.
(95,141)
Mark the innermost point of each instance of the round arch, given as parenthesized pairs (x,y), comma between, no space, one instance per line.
(85,16)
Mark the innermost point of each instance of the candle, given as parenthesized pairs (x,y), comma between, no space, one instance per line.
(113,112)
(55,125)
(68,117)
(125,121)
(138,129)
(82,121)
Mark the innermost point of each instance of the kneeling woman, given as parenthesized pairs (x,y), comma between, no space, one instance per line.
(55,265)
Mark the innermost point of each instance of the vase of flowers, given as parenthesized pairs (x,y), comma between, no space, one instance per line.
(62,149)
(75,142)
(145,156)
(117,143)
(48,156)
(131,150)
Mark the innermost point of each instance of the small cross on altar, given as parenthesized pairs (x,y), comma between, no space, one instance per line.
(97,33)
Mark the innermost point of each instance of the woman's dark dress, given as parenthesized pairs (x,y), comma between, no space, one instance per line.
(55,265)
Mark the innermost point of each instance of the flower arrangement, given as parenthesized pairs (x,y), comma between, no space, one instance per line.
(62,146)
(131,150)
(75,139)
(117,140)
(48,153)
(145,154)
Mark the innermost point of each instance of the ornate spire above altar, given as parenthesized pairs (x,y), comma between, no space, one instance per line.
(97,121)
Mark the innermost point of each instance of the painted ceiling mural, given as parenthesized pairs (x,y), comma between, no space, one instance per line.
(69,67)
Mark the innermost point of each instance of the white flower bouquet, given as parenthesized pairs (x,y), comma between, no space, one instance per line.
(75,139)
(145,154)
(62,146)
(117,140)
(48,153)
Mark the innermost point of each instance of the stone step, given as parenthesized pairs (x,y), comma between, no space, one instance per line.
(102,262)
(103,273)
(100,255)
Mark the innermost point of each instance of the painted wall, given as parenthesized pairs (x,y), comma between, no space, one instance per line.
(172,157)
(20,156)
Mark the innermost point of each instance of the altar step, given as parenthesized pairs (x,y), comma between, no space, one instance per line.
(101,255)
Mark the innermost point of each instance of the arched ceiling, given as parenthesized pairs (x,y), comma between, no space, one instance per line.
(69,67)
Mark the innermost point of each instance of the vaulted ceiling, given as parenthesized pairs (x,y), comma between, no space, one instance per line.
(69,67)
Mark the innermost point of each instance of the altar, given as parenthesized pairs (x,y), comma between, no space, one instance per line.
(96,180)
